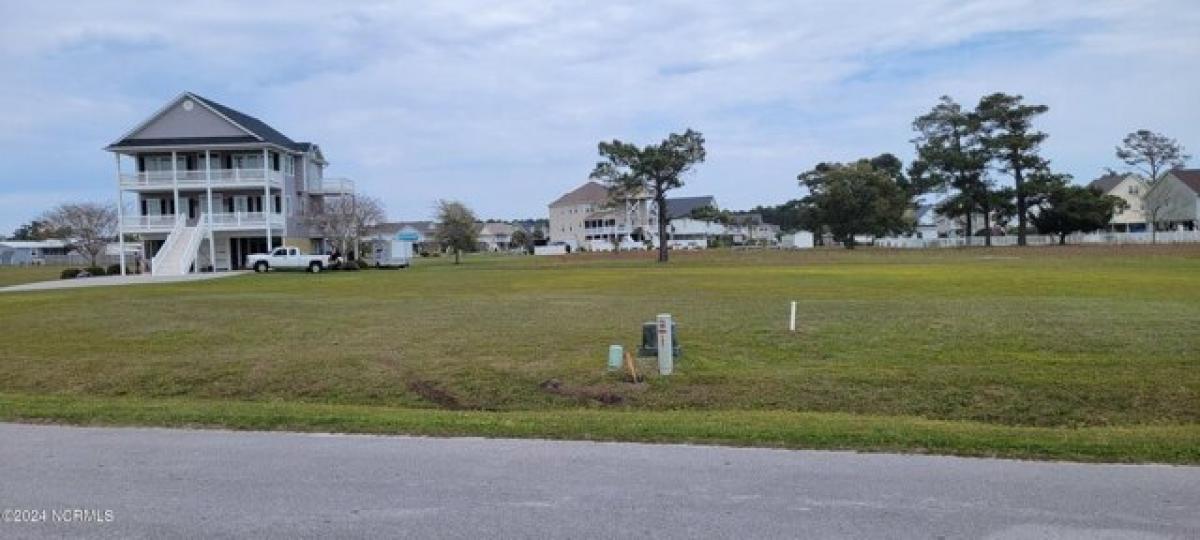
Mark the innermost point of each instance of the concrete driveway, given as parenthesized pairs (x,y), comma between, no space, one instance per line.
(105,281)
(160,483)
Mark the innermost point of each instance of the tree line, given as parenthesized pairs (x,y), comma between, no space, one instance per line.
(965,152)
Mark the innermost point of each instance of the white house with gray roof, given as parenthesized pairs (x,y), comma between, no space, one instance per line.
(203,185)
(1130,188)
(587,217)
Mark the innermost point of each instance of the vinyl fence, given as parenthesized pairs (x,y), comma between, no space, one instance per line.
(1162,237)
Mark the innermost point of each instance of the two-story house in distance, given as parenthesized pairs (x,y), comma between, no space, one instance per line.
(210,185)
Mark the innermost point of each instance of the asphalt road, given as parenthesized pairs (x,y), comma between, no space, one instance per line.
(159,483)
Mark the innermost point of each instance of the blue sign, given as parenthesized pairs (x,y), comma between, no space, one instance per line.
(407,236)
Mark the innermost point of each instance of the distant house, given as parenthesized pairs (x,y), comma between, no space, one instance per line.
(749,228)
(586,213)
(929,223)
(495,236)
(587,217)
(423,234)
(1130,188)
(27,253)
(1174,201)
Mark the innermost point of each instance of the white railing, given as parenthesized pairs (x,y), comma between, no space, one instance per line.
(619,229)
(198,178)
(221,221)
(334,186)
(192,249)
(159,260)
(245,220)
(1162,237)
(148,223)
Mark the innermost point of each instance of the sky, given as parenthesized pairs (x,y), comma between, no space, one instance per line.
(501,104)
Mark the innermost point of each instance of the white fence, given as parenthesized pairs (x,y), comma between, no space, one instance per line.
(1162,237)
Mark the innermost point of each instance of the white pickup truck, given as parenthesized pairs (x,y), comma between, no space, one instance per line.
(287,258)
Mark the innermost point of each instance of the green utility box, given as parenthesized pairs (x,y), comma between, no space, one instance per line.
(650,340)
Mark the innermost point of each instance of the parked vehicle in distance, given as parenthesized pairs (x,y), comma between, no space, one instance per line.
(287,258)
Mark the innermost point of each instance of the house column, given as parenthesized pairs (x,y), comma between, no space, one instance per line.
(212,250)
(267,206)
(284,192)
(175,183)
(120,214)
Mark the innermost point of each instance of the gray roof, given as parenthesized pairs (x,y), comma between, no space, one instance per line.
(1107,182)
(683,206)
(1189,178)
(591,192)
(260,130)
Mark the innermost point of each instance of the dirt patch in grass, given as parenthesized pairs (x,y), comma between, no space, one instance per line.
(601,394)
(433,393)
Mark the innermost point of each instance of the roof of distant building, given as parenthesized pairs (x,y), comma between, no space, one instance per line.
(679,207)
(1108,182)
(591,192)
(496,229)
(1189,177)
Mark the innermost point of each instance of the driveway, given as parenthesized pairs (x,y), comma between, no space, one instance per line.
(103,281)
(159,483)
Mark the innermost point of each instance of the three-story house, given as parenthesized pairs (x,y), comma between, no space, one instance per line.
(203,185)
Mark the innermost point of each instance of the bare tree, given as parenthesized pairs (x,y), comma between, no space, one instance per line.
(1153,154)
(347,218)
(88,226)
(456,227)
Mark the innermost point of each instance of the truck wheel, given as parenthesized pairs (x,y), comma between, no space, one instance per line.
(260,267)
(315,268)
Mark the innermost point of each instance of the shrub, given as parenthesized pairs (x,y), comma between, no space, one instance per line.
(94,270)
(69,273)
(115,270)
(362,265)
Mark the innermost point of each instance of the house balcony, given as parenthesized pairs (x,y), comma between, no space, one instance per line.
(608,231)
(331,186)
(199,179)
(223,221)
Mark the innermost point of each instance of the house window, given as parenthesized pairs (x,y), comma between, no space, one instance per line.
(278,204)
(248,161)
(1133,190)
(274,161)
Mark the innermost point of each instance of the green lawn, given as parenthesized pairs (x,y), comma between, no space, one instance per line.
(16,275)
(1074,353)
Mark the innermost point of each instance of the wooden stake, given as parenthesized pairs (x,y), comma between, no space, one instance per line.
(633,374)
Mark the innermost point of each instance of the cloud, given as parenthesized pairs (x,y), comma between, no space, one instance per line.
(501,104)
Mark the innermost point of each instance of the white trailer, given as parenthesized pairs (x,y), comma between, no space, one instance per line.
(393,252)
(797,240)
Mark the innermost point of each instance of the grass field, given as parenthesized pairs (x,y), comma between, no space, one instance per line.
(1074,353)
(16,275)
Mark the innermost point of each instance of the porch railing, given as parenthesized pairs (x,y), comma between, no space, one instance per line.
(220,221)
(198,178)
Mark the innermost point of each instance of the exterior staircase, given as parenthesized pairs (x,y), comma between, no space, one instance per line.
(178,252)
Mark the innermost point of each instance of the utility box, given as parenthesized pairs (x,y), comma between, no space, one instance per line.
(650,339)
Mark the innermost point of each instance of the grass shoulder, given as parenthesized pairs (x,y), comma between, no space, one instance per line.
(1177,444)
